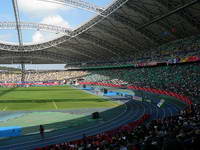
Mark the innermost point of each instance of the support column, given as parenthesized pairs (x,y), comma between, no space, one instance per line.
(23,72)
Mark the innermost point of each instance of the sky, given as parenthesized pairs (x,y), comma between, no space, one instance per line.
(39,11)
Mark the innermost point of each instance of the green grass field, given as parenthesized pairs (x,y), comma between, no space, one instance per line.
(49,98)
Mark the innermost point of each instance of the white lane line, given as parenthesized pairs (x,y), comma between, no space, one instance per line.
(54,104)
(4,109)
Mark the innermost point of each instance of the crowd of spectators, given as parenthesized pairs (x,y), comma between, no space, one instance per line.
(59,75)
(9,77)
(179,48)
(180,132)
(179,78)
(40,76)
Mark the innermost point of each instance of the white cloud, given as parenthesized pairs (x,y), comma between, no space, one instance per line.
(55,20)
(38,37)
(38,7)
(48,13)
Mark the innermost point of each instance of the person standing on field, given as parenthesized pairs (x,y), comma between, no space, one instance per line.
(42,131)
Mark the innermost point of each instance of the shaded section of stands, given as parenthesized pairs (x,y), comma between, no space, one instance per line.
(181,79)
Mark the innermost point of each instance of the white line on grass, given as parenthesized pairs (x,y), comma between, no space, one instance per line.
(54,104)
(4,109)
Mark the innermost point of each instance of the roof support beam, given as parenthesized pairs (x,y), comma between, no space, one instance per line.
(41,46)
(17,19)
(19,33)
(185,14)
(117,35)
(168,14)
(36,26)
(133,25)
(148,16)
(101,43)
(79,4)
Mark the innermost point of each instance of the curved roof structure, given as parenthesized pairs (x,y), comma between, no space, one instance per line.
(118,32)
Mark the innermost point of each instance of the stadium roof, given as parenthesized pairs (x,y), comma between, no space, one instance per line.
(117,32)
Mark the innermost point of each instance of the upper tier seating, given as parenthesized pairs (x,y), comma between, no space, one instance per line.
(183,79)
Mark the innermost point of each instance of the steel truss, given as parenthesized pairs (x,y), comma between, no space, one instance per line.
(55,29)
(37,26)
(19,32)
(79,4)
(17,24)
(140,30)
(90,6)
(69,34)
